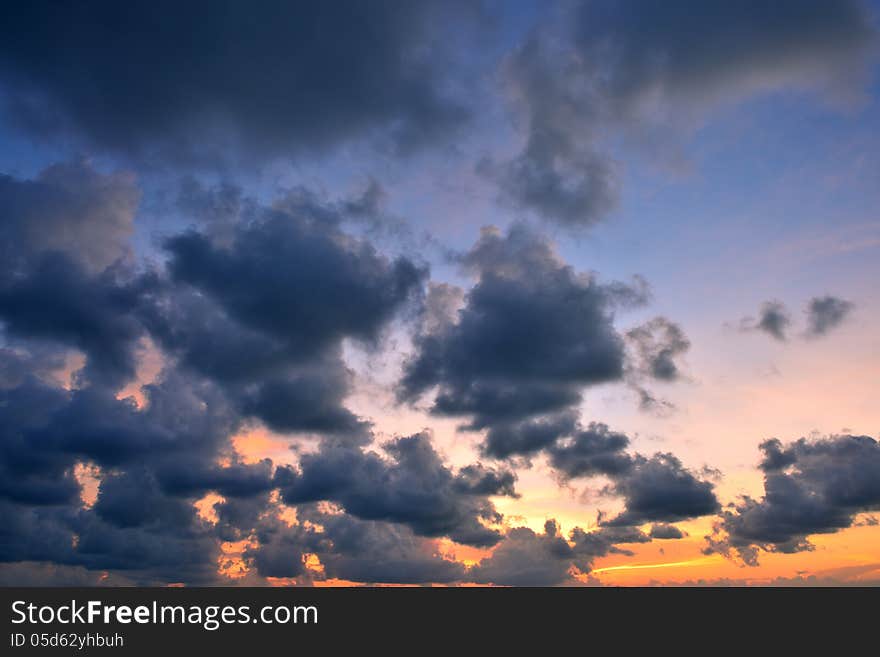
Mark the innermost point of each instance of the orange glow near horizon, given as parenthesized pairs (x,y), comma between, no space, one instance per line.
(847,557)
(682,562)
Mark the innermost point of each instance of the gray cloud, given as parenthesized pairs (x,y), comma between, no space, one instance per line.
(368,551)
(773,319)
(665,532)
(810,487)
(247,316)
(254,303)
(658,343)
(414,488)
(595,450)
(289,78)
(350,549)
(661,489)
(823,315)
(65,275)
(655,489)
(826,313)
(265,342)
(526,558)
(606,67)
(658,489)
(531,334)
(153,462)
(55,299)
(529,436)
(69,207)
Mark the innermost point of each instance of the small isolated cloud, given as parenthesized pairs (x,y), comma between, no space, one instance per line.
(824,314)
(665,532)
(658,345)
(773,319)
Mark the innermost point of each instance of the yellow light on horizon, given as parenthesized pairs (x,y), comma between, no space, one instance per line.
(669,564)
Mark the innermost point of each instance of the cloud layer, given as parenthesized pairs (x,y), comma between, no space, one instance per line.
(199,83)
(154,320)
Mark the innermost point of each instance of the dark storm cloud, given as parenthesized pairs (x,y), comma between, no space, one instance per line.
(262,306)
(36,533)
(372,551)
(281,548)
(56,299)
(152,464)
(71,208)
(347,548)
(286,276)
(658,343)
(633,66)
(203,81)
(258,372)
(369,551)
(528,437)
(526,558)
(661,489)
(143,521)
(133,499)
(717,49)
(173,548)
(826,313)
(155,464)
(62,276)
(531,334)
(311,401)
(773,319)
(481,480)
(250,315)
(517,350)
(656,489)
(810,487)
(413,487)
(238,516)
(234,480)
(592,451)
(46,430)
(350,549)
(31,474)
(177,547)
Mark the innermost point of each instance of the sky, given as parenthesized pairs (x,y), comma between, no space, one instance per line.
(439,293)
